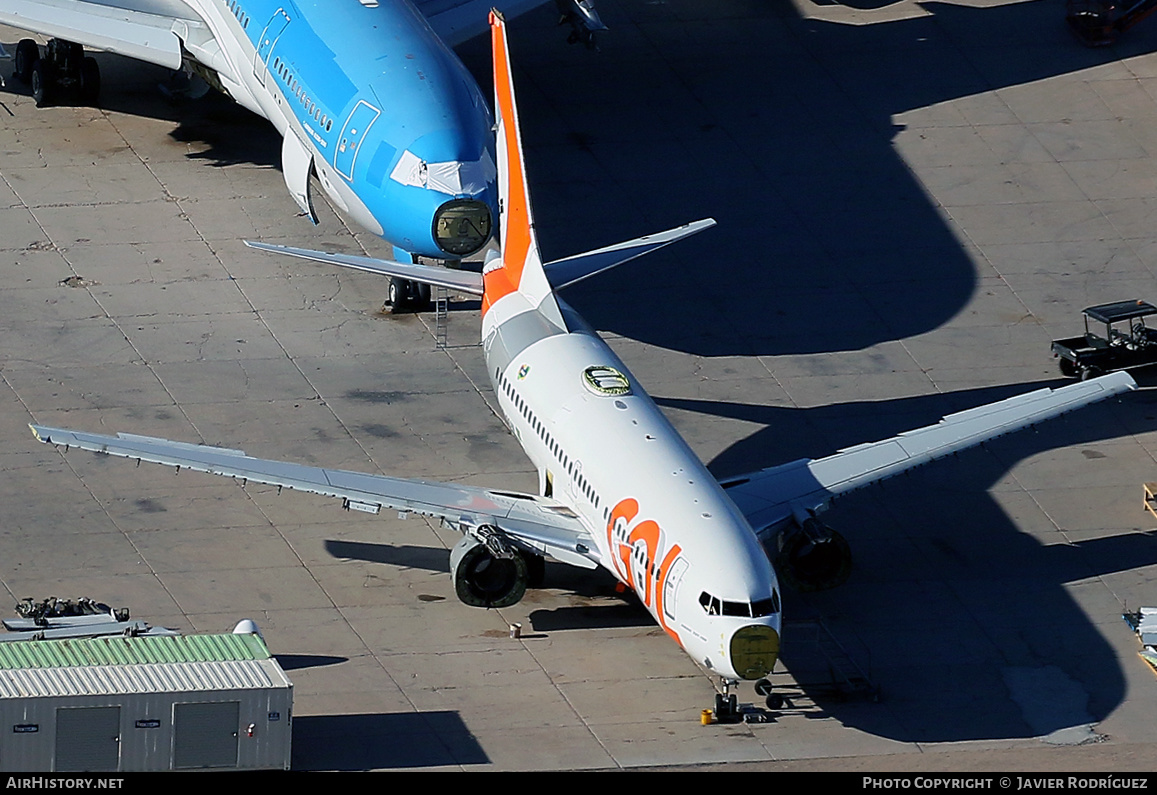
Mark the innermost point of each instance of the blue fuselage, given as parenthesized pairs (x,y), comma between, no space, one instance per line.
(398,127)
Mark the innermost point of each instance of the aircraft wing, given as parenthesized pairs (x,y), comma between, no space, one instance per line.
(467,282)
(770,496)
(456,21)
(141,29)
(537,523)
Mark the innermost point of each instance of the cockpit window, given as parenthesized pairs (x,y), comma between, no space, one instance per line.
(714,606)
(737,609)
(710,604)
(766,607)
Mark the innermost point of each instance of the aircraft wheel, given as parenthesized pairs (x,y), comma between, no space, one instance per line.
(27,53)
(397,295)
(89,81)
(726,706)
(43,82)
(422,302)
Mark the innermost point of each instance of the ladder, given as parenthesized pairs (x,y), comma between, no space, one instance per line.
(441,318)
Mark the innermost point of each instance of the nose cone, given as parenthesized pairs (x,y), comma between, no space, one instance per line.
(754,650)
(438,199)
(434,147)
(462,226)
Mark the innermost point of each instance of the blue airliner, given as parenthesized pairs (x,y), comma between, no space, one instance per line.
(367,94)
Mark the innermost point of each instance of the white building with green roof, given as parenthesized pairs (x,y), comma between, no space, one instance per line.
(143,703)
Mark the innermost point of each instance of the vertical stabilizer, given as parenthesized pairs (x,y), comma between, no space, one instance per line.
(519,270)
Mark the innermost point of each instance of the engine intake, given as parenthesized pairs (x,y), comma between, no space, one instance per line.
(485,579)
(811,556)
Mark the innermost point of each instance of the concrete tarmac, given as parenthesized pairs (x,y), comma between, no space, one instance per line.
(913,200)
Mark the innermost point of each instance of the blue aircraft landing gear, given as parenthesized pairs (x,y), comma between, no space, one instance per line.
(63,68)
(407,296)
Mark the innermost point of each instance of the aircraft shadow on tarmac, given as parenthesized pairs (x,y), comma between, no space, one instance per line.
(212,129)
(403,556)
(825,240)
(966,623)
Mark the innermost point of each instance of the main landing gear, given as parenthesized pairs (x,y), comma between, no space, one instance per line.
(407,296)
(64,68)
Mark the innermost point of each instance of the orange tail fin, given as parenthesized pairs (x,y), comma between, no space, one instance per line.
(520,268)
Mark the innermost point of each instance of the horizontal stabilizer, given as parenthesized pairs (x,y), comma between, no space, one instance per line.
(462,281)
(565,272)
(773,495)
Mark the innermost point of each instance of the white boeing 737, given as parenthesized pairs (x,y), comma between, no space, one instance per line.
(619,488)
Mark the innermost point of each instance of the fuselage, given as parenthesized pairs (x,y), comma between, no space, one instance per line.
(663,525)
(399,134)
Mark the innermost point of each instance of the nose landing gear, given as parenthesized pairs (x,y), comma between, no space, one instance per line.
(728,710)
(726,705)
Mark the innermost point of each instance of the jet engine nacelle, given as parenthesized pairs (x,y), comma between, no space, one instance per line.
(488,573)
(811,556)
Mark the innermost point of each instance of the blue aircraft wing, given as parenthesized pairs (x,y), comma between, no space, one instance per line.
(141,29)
